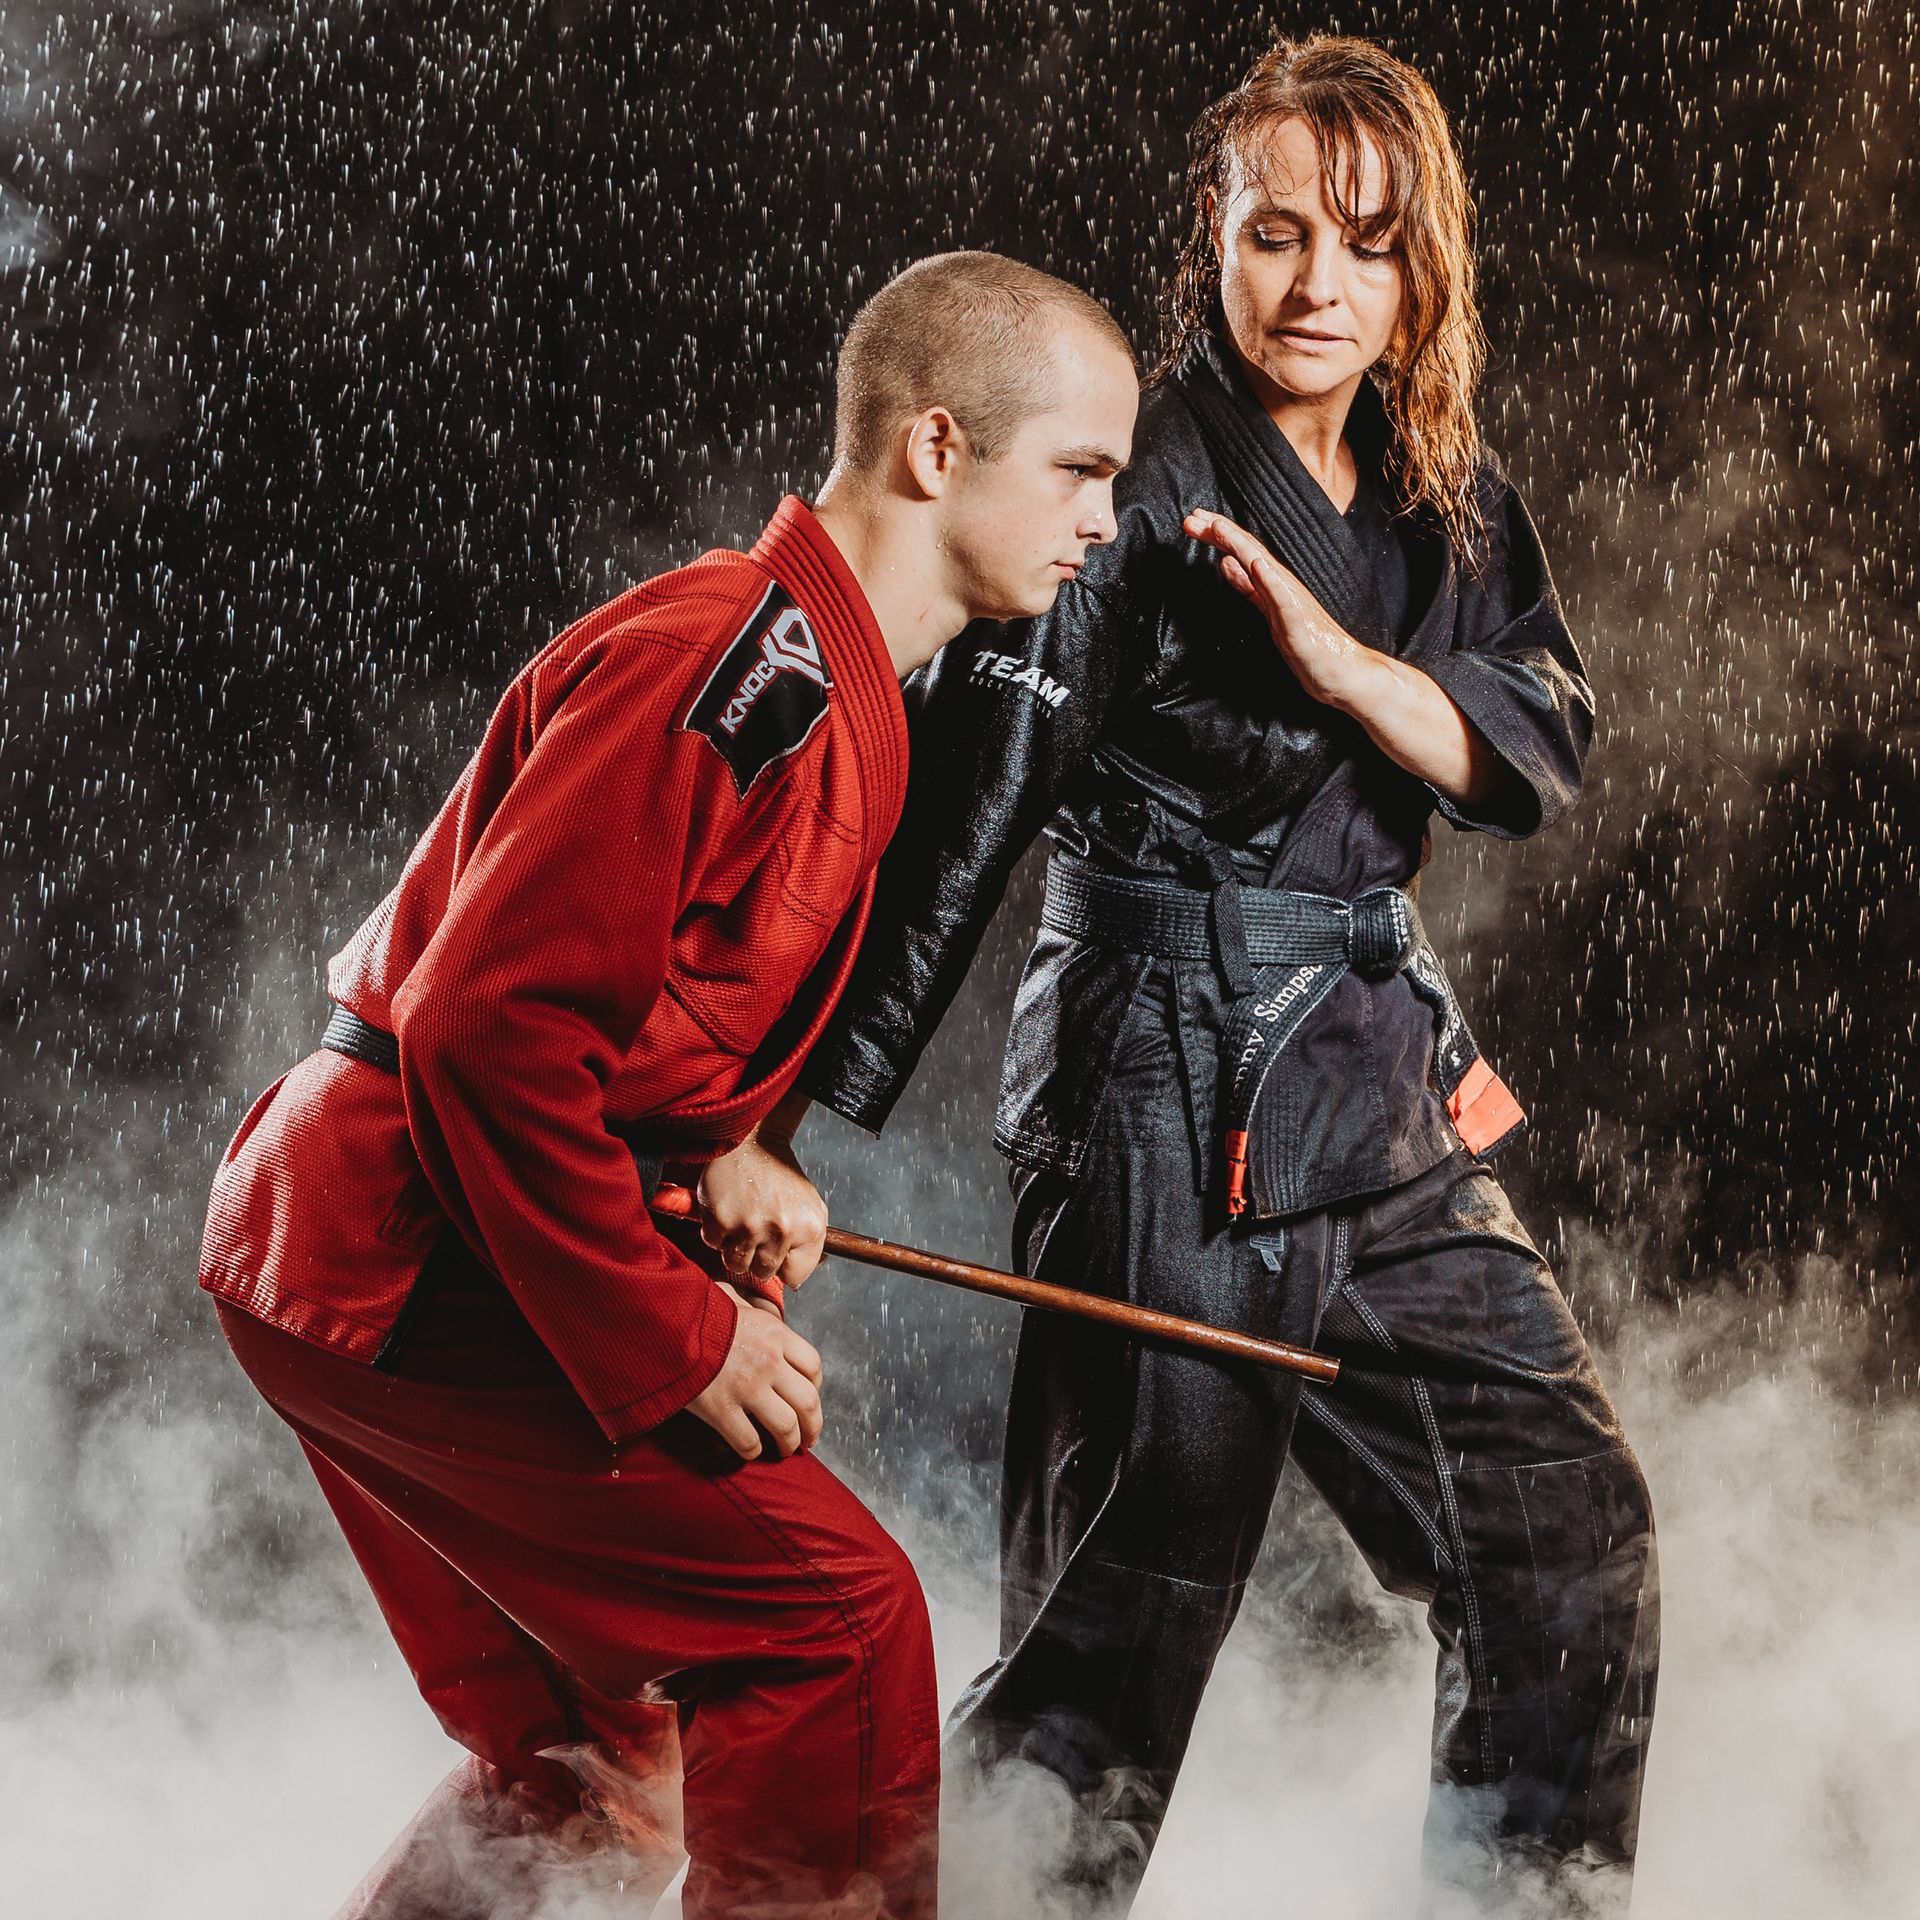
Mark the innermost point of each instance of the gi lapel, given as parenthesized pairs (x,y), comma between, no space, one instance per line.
(1287,509)
(1281,501)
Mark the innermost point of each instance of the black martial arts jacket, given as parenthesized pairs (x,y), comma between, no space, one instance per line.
(1150,725)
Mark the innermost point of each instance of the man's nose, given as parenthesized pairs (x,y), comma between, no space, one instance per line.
(1100,526)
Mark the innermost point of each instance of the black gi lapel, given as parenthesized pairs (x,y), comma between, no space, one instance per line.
(1286,508)
(1280,501)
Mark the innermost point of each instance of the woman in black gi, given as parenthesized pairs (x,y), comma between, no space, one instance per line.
(1237,1085)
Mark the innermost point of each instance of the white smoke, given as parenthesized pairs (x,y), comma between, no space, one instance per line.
(187,1750)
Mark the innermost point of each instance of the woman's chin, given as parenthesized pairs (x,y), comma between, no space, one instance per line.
(1300,374)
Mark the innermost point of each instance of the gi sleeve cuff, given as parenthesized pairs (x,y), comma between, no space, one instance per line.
(1511,710)
(852,1077)
(712,1342)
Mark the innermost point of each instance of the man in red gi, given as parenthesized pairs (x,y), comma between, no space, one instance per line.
(570,1460)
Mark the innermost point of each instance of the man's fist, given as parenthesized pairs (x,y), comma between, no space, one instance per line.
(770,1381)
(761,1213)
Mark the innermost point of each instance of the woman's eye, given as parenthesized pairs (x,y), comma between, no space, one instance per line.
(1371,255)
(1270,242)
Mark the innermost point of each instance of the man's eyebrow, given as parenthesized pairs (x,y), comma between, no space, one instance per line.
(1091,457)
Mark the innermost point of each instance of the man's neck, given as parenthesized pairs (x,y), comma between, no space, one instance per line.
(891,555)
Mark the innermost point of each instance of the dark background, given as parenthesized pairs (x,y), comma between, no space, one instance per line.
(351,351)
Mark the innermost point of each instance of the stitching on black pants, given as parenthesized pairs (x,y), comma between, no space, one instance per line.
(1539,1602)
(1443,1476)
(1311,1403)
(1536,1466)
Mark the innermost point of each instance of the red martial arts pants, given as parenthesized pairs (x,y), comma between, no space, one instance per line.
(550,1591)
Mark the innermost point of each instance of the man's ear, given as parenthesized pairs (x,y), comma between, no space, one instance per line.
(935,451)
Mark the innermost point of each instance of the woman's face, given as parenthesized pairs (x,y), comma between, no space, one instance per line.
(1308,303)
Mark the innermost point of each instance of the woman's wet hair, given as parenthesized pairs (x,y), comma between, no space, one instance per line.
(965,331)
(1351,93)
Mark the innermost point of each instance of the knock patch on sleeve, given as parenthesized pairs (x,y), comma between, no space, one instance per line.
(767,693)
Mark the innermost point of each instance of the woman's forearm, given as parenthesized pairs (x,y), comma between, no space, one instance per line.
(1407,715)
(1414,722)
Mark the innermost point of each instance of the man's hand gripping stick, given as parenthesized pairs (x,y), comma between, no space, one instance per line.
(676,1203)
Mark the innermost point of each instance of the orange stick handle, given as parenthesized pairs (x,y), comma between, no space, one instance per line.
(676,1203)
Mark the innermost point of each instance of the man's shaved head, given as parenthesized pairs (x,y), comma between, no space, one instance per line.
(966,331)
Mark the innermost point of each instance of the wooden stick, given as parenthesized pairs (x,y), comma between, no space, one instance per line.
(676,1203)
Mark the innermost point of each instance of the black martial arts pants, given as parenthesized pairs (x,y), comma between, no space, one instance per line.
(1468,1447)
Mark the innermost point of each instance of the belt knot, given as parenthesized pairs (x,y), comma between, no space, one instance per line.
(1379,933)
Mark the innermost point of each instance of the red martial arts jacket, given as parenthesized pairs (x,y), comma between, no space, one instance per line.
(635,910)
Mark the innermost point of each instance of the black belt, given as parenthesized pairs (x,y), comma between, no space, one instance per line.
(1375,934)
(1280,952)
(360,1040)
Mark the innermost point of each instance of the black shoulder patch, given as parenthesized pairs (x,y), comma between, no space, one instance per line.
(768,692)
